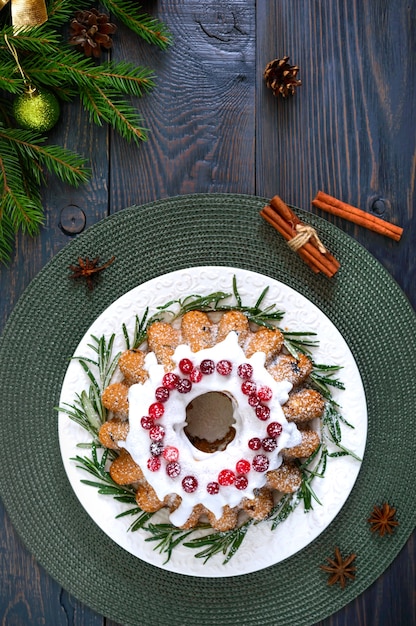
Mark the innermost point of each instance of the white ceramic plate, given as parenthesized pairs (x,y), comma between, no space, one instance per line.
(261,546)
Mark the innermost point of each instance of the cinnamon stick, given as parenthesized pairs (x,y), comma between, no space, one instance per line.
(282,218)
(284,229)
(336,207)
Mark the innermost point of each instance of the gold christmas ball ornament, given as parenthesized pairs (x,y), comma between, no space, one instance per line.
(36,109)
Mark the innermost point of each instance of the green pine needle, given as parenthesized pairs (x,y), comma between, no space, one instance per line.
(145,26)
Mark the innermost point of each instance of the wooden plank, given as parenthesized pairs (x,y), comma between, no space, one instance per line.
(201,114)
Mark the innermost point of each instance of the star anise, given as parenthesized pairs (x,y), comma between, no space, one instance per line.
(382,519)
(340,569)
(88,269)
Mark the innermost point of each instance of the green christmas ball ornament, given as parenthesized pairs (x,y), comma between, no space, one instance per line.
(36,109)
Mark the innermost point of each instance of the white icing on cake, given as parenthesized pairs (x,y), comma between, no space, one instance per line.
(204,466)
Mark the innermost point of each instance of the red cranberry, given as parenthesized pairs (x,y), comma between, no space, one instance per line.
(162,394)
(207,366)
(254,443)
(189,484)
(213,488)
(147,422)
(248,387)
(186,366)
(184,385)
(156,410)
(269,444)
(173,469)
(253,400)
(156,448)
(242,466)
(262,412)
(226,477)
(156,433)
(195,376)
(245,371)
(265,393)
(170,453)
(224,367)
(260,463)
(274,429)
(170,380)
(153,464)
(241,482)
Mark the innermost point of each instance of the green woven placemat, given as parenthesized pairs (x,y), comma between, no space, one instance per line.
(43,331)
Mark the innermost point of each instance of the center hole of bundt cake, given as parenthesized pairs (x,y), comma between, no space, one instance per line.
(209,421)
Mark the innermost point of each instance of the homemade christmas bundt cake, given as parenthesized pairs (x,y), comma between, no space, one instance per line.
(210,418)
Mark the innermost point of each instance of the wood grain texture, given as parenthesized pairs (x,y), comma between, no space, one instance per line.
(215,127)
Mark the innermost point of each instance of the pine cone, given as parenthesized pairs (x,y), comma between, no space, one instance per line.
(90,31)
(281,77)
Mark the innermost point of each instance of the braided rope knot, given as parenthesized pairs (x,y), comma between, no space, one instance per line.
(304,234)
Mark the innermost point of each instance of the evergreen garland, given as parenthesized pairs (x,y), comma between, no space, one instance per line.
(104,89)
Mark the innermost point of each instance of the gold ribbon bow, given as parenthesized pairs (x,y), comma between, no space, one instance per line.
(27,12)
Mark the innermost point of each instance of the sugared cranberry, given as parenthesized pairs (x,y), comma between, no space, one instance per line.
(170,380)
(213,488)
(162,394)
(224,367)
(274,429)
(156,410)
(226,477)
(195,376)
(184,385)
(253,400)
(241,482)
(156,433)
(242,466)
(156,448)
(147,422)
(254,443)
(153,464)
(189,484)
(186,366)
(245,371)
(170,453)
(207,366)
(260,463)
(269,444)
(248,387)
(173,469)
(262,412)
(265,393)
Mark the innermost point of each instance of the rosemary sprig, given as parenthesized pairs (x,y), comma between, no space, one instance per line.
(226,543)
(168,537)
(107,487)
(88,410)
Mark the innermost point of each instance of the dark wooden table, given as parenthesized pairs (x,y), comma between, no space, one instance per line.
(215,127)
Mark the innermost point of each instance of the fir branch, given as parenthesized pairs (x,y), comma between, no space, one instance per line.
(145,26)
(42,41)
(82,72)
(105,106)
(67,165)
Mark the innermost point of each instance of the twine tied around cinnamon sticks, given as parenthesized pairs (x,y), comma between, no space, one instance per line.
(301,237)
(304,234)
